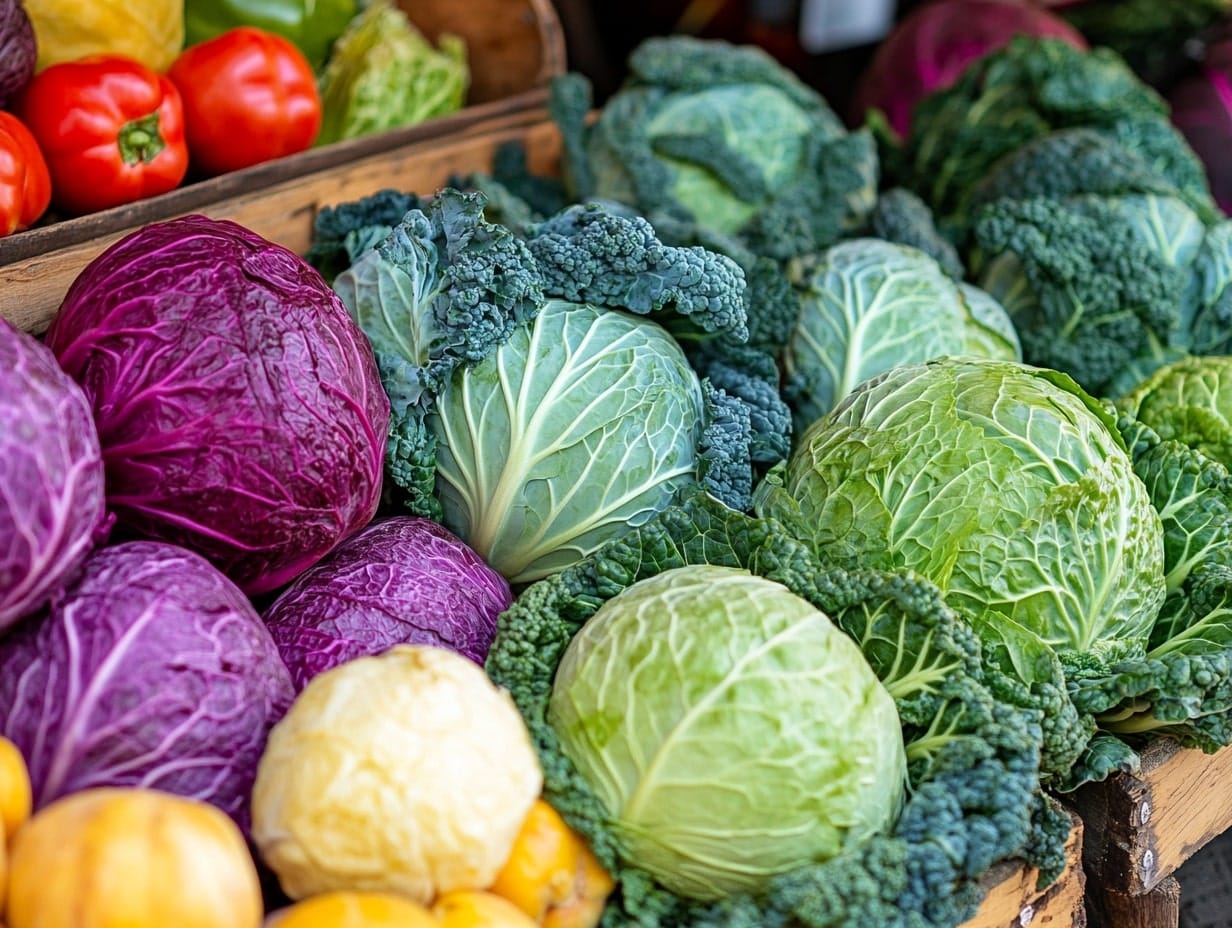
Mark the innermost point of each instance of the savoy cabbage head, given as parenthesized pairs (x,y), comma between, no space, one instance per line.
(638,767)
(540,405)
(1022,92)
(1104,265)
(867,305)
(1008,487)
(724,136)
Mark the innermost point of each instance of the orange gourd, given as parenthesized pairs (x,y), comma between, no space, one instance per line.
(137,858)
(551,874)
(476,909)
(15,794)
(353,910)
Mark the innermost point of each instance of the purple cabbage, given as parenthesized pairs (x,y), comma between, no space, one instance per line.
(1202,110)
(401,580)
(51,476)
(238,404)
(18,50)
(151,670)
(933,45)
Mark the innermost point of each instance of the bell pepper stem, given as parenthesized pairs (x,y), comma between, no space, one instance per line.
(140,140)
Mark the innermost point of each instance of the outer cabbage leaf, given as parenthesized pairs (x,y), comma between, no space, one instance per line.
(153,670)
(51,477)
(975,776)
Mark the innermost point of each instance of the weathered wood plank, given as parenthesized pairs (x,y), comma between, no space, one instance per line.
(1160,908)
(32,288)
(1140,828)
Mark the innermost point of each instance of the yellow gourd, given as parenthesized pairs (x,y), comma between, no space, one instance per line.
(466,908)
(354,910)
(150,31)
(551,874)
(15,797)
(131,858)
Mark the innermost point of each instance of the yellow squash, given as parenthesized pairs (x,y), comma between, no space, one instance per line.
(468,908)
(150,31)
(15,796)
(551,874)
(131,858)
(344,909)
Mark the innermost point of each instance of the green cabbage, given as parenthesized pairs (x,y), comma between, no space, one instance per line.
(383,73)
(730,729)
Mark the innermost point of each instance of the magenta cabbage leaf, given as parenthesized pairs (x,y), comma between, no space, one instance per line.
(401,580)
(1202,110)
(933,45)
(238,405)
(151,670)
(51,476)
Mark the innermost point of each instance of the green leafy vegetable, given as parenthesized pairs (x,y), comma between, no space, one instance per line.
(868,305)
(1008,487)
(1023,92)
(383,73)
(723,136)
(973,760)
(539,408)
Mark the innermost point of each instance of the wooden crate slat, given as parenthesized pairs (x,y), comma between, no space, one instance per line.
(1141,828)
(1160,908)
(32,288)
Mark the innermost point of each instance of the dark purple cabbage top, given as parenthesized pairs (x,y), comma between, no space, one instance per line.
(401,580)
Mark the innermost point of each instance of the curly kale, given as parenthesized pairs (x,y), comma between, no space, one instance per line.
(723,136)
(589,255)
(902,217)
(340,234)
(1086,289)
(973,758)
(1027,90)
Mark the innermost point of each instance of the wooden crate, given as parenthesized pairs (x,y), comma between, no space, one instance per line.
(515,46)
(1014,901)
(1140,828)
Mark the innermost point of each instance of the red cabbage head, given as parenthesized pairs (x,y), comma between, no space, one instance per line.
(152,669)
(238,405)
(402,580)
(51,476)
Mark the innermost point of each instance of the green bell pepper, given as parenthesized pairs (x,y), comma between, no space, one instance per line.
(311,24)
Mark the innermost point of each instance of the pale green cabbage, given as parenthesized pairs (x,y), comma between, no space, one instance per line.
(730,730)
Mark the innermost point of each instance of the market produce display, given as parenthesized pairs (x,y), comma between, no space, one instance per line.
(128,101)
(763,521)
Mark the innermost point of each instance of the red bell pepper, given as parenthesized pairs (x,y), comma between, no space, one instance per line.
(249,96)
(111,129)
(25,185)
